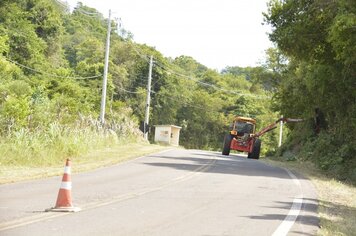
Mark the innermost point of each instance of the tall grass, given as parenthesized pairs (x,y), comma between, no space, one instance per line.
(50,146)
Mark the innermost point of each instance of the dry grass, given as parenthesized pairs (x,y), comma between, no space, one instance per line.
(337,200)
(93,160)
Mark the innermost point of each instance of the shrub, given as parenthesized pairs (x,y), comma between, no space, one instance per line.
(48,146)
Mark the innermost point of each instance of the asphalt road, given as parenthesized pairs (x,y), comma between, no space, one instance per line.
(176,192)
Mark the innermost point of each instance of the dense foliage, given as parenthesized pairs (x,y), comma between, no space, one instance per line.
(318,39)
(51,66)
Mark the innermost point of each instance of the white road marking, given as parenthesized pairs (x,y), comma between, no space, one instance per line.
(66,185)
(294,211)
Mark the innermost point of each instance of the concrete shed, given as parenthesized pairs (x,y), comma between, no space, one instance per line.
(168,134)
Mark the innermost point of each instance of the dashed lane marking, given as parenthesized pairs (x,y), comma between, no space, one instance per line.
(50,215)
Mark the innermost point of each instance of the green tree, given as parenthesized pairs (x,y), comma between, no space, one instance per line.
(318,37)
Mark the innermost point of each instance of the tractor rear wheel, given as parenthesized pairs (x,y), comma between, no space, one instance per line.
(255,154)
(227,143)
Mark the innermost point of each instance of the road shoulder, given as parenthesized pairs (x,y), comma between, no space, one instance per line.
(336,200)
(90,161)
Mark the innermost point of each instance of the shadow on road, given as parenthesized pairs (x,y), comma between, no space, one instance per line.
(239,165)
(338,212)
(309,206)
(231,165)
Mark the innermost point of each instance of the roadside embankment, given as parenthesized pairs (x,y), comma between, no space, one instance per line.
(95,159)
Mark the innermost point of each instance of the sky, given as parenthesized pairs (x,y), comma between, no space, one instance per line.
(216,33)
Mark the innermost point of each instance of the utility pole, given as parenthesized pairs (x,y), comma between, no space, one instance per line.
(148,100)
(105,78)
(280,131)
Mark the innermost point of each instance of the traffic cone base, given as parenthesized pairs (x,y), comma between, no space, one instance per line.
(63,209)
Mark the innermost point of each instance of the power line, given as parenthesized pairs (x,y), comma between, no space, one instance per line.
(52,75)
(80,10)
(87,12)
(132,92)
(143,56)
(190,105)
(156,81)
(61,3)
(140,78)
(208,84)
(130,95)
(169,70)
(179,99)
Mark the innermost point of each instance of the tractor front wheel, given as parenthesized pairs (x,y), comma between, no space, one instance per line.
(227,143)
(255,154)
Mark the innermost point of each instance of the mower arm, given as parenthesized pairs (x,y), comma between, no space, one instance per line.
(274,125)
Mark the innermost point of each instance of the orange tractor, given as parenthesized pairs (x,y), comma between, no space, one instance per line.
(243,137)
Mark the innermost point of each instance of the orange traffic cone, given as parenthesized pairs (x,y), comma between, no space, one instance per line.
(64,199)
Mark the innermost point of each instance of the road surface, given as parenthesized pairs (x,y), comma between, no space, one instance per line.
(176,192)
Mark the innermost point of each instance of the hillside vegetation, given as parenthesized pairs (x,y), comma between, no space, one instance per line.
(51,72)
(318,39)
(51,66)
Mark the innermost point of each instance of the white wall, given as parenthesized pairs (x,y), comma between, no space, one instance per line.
(163,134)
